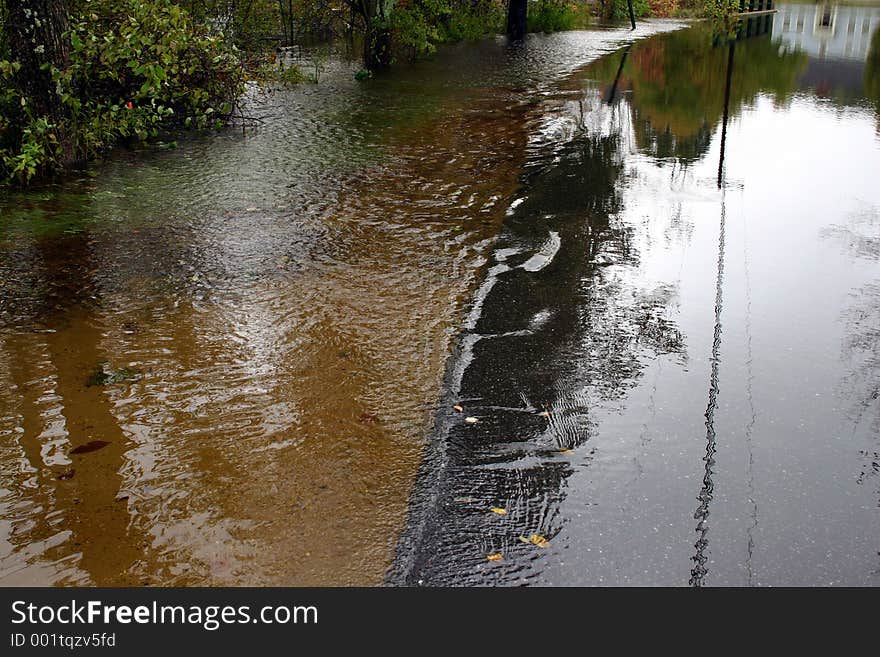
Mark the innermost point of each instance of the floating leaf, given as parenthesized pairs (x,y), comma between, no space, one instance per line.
(564,450)
(471,420)
(90,446)
(458,408)
(101,377)
(523,539)
(497,556)
(539,540)
(67,474)
(464,500)
(544,414)
(499,510)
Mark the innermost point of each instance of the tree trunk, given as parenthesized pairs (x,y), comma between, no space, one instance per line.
(36,37)
(377,49)
(516,18)
(36,31)
(377,40)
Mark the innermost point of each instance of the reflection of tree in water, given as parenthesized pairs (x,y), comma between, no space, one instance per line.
(577,332)
(861,238)
(861,346)
(82,532)
(872,73)
(676,83)
(47,264)
(563,328)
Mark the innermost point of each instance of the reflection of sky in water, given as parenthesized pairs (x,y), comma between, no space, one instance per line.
(639,345)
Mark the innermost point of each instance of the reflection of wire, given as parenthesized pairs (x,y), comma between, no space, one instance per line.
(707,491)
(753,417)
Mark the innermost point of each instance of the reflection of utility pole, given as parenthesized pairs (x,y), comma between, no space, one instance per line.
(707,492)
(632,16)
(613,92)
(750,532)
(726,111)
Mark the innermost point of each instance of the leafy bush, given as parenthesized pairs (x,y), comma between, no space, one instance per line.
(268,73)
(556,15)
(413,26)
(417,26)
(247,24)
(663,8)
(472,21)
(617,11)
(136,67)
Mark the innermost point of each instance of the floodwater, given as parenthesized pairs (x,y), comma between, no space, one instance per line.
(674,356)
(234,362)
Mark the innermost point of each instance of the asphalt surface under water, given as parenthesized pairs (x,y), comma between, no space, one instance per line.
(674,360)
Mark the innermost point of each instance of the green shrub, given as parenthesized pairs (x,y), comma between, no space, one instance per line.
(417,26)
(617,11)
(472,22)
(413,27)
(268,73)
(550,16)
(136,68)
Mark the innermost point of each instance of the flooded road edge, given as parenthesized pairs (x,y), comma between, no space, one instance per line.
(428,488)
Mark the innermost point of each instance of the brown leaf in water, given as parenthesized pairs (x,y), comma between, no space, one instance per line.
(90,446)
(458,408)
(67,474)
(495,557)
(499,510)
(539,540)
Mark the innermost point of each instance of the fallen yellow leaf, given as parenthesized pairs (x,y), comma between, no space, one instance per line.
(564,450)
(499,510)
(540,541)
(523,539)
(495,557)
(458,408)
(471,420)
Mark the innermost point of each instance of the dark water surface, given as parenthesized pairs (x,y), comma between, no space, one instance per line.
(222,364)
(675,368)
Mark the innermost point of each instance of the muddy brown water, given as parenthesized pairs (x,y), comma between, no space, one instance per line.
(256,325)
